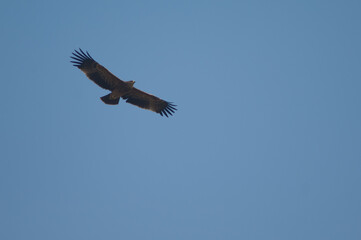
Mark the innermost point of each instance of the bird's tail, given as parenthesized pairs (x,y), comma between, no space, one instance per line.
(107,99)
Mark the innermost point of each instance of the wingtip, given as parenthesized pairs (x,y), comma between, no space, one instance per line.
(80,57)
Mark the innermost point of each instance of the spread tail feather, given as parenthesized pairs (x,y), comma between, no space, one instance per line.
(107,99)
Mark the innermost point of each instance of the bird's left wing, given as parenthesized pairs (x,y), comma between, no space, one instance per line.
(150,102)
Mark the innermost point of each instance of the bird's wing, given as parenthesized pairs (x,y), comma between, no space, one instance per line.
(94,71)
(150,102)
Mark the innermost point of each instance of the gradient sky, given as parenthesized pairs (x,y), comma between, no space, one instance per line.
(266,143)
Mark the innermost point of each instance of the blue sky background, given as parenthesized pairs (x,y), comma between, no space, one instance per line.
(265,144)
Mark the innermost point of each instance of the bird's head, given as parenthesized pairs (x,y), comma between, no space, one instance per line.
(130,83)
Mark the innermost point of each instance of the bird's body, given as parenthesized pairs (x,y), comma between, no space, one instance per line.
(119,89)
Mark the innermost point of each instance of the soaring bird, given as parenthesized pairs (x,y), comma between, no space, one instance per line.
(119,89)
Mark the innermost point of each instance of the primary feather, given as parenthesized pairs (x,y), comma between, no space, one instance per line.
(119,89)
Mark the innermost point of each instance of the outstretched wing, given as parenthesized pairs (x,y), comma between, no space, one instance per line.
(150,102)
(94,71)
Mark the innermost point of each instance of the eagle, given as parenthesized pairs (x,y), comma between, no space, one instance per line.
(119,89)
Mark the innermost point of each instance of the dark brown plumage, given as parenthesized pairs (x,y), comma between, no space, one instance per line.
(119,89)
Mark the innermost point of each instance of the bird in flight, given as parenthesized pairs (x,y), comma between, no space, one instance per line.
(119,89)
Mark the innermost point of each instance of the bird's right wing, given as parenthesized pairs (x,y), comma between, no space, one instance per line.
(94,71)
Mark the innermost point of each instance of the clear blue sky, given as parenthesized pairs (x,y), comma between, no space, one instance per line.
(266,143)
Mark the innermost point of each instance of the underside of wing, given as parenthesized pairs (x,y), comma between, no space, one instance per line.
(150,102)
(94,71)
